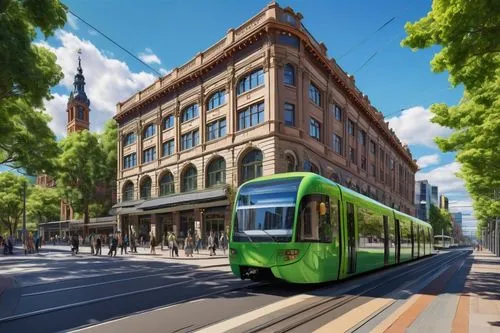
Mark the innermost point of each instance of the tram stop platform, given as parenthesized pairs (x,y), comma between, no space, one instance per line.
(464,299)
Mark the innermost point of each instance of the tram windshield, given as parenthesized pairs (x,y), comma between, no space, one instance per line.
(265,211)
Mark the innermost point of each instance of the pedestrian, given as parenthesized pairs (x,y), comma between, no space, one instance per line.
(125,243)
(74,244)
(98,246)
(198,243)
(37,244)
(152,244)
(91,241)
(223,242)
(188,249)
(211,243)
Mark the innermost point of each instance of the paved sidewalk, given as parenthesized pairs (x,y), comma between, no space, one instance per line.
(203,259)
(482,291)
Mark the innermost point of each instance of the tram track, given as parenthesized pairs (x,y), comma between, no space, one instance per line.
(304,315)
(197,277)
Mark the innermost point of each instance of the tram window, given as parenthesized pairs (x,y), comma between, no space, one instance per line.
(314,223)
(370,229)
(335,218)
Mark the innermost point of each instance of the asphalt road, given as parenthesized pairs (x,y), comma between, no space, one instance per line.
(60,292)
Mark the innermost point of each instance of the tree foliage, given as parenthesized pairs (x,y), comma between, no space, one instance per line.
(81,169)
(440,220)
(11,200)
(27,73)
(469,35)
(43,205)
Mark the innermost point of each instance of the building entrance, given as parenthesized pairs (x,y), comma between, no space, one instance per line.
(213,222)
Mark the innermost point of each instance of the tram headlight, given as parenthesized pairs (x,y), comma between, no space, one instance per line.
(233,252)
(290,254)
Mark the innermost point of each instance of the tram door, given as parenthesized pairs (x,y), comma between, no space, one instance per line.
(386,241)
(398,241)
(351,239)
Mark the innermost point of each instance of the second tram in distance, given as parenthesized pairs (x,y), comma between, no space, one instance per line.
(303,228)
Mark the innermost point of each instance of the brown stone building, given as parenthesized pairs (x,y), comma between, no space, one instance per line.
(264,99)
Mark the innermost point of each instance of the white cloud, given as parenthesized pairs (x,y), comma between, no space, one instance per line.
(108,81)
(72,22)
(444,177)
(149,57)
(164,71)
(414,127)
(92,32)
(428,160)
(56,108)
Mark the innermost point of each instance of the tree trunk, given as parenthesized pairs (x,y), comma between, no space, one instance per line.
(85,219)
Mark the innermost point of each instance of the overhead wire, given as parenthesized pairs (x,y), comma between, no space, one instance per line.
(114,42)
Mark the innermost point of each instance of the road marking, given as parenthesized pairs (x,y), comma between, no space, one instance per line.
(461,320)
(248,317)
(351,318)
(103,283)
(268,309)
(97,300)
(161,308)
(384,325)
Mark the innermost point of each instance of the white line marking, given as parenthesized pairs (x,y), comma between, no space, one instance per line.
(140,313)
(103,283)
(96,300)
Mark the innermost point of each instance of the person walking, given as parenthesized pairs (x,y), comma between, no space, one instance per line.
(188,249)
(223,242)
(98,245)
(198,243)
(125,243)
(91,241)
(153,245)
(211,243)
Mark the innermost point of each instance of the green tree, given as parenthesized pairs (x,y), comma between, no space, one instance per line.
(80,171)
(27,73)
(11,200)
(43,205)
(440,220)
(469,35)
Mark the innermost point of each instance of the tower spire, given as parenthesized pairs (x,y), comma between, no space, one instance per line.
(78,92)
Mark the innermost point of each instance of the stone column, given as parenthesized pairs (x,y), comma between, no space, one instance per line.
(177,223)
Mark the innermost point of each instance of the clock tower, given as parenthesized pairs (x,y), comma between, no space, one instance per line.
(78,107)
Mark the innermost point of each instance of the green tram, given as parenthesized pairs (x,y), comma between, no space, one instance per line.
(303,228)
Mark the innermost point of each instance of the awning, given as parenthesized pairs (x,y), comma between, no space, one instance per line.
(218,203)
(131,203)
(184,198)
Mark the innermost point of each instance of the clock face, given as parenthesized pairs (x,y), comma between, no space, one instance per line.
(79,113)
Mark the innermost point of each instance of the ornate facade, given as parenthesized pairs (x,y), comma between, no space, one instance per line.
(265,99)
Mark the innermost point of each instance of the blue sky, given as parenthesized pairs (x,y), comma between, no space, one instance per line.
(166,34)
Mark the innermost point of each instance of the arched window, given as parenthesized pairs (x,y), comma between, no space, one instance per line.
(128,191)
(146,188)
(168,122)
(311,167)
(216,172)
(129,139)
(289,75)
(290,163)
(251,165)
(216,100)
(190,112)
(189,182)
(149,131)
(250,81)
(167,184)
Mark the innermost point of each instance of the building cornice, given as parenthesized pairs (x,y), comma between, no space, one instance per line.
(269,19)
